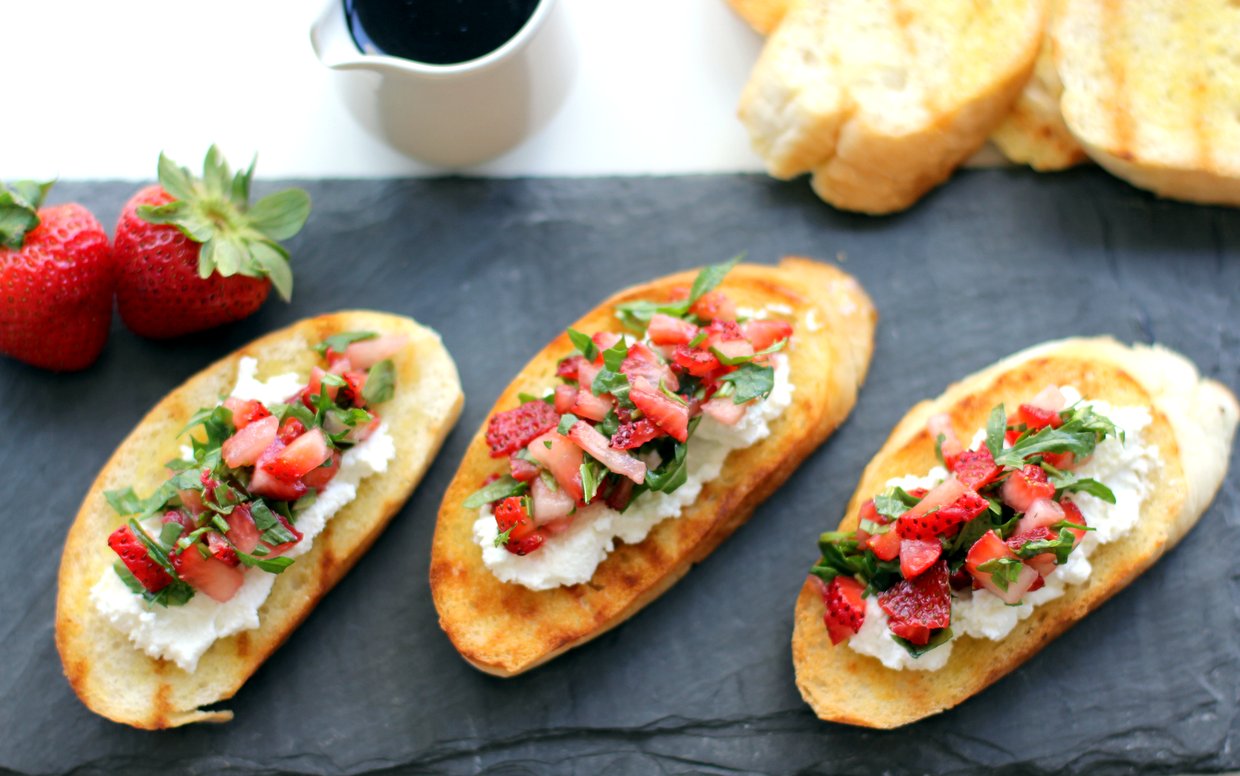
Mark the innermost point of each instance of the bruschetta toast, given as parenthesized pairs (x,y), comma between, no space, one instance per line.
(796,337)
(209,561)
(999,514)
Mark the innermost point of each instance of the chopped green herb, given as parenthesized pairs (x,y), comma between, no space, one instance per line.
(1003,571)
(1061,546)
(940,638)
(338,342)
(380,382)
(502,538)
(500,489)
(584,344)
(996,428)
(710,277)
(566,422)
(526,398)
(271,565)
(751,381)
(592,474)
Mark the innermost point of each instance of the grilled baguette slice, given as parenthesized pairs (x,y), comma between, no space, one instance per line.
(119,681)
(882,100)
(1033,132)
(505,629)
(1150,91)
(1194,421)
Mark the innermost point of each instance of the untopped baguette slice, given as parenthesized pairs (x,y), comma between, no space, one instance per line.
(881,100)
(1194,422)
(120,682)
(1033,132)
(505,629)
(1151,90)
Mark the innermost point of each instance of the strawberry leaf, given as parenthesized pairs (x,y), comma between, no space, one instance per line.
(241,184)
(272,260)
(19,205)
(281,215)
(228,255)
(175,180)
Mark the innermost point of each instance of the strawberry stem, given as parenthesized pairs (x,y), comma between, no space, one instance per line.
(19,210)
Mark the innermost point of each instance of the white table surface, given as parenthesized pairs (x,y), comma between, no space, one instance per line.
(96,89)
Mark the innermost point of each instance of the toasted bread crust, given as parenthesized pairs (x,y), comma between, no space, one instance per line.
(762,15)
(505,629)
(122,683)
(1193,425)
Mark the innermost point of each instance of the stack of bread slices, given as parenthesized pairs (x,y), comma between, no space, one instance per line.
(880,100)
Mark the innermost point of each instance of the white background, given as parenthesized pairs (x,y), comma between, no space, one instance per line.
(96,89)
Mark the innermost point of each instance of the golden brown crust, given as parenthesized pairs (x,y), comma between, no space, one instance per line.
(505,629)
(762,15)
(122,683)
(1193,425)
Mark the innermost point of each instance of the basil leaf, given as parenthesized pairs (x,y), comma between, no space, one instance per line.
(1003,571)
(526,398)
(751,381)
(584,344)
(996,429)
(263,517)
(566,422)
(615,383)
(272,565)
(614,356)
(636,315)
(610,424)
(500,489)
(737,360)
(1061,547)
(710,277)
(894,502)
(940,638)
(169,533)
(124,502)
(671,474)
(592,474)
(153,548)
(304,503)
(338,342)
(380,382)
(969,533)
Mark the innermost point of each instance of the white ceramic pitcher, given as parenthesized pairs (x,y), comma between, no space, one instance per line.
(453,115)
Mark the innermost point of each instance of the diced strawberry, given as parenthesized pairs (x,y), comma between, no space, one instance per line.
(646,370)
(283,547)
(1065,460)
(1037,417)
(244,447)
(990,547)
(917,555)
(714,305)
(845,608)
(567,368)
(1026,486)
(364,354)
(245,411)
(666,330)
(290,429)
(315,386)
(586,404)
(976,468)
(1049,398)
(134,555)
(319,476)
(264,484)
(671,416)
(1011,435)
(733,349)
(242,531)
(209,575)
(523,537)
(722,331)
(696,361)
(885,545)
(917,606)
(604,340)
(620,493)
(511,430)
(186,522)
(565,398)
(925,521)
(361,433)
(763,333)
(870,512)
(591,441)
(950,447)
(521,469)
(303,454)
(562,458)
(634,434)
(337,362)
(549,504)
(221,550)
(1042,513)
(1043,563)
(1072,513)
(724,410)
(191,500)
(354,388)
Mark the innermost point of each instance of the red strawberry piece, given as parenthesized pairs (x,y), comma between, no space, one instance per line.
(242,531)
(1026,486)
(634,434)
(567,368)
(244,447)
(845,608)
(763,333)
(303,454)
(620,493)
(221,549)
(585,403)
(245,411)
(869,512)
(714,305)
(522,470)
(917,606)
(976,468)
(990,547)
(136,558)
(264,484)
(696,361)
(917,555)
(318,477)
(590,440)
(192,501)
(290,429)
(354,387)
(944,521)
(565,398)
(646,370)
(885,545)
(511,430)
(667,330)
(210,575)
(283,547)
(562,458)
(1038,417)
(180,518)
(949,447)
(512,516)
(1043,563)
(1060,460)
(1072,514)
(670,416)
(57,276)
(363,354)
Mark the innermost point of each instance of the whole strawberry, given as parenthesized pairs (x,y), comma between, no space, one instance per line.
(192,254)
(56,280)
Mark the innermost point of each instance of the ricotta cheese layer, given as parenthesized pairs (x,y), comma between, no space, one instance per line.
(570,558)
(183,633)
(1124,466)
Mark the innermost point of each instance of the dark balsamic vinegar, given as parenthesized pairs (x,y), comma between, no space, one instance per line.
(438,32)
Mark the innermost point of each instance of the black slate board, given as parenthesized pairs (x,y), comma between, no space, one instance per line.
(701,681)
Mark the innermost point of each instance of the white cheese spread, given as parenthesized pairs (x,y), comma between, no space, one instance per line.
(183,633)
(1124,466)
(570,558)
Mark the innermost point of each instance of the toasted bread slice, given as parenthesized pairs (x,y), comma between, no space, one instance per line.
(122,683)
(505,629)
(881,99)
(1194,421)
(1034,132)
(1151,90)
(763,15)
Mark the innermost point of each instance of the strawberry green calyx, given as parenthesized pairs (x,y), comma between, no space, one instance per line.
(215,210)
(19,210)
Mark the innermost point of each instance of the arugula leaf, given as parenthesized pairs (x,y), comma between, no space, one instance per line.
(502,538)
(610,424)
(566,422)
(500,489)
(338,342)
(889,503)
(996,429)
(938,448)
(1080,433)
(1003,571)
(751,381)
(710,277)
(970,532)
(592,474)
(614,356)
(636,315)
(615,383)
(124,502)
(295,410)
(672,474)
(1060,546)
(584,344)
(1067,482)
(380,382)
(699,338)
(940,638)
(169,533)
(735,361)
(526,398)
